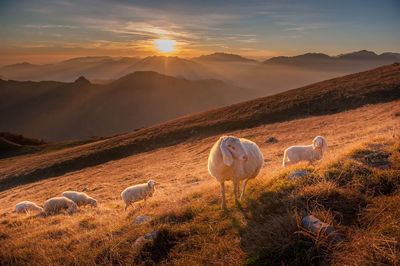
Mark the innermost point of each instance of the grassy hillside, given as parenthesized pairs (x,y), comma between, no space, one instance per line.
(355,188)
(331,96)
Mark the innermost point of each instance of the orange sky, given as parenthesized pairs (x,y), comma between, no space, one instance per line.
(45,31)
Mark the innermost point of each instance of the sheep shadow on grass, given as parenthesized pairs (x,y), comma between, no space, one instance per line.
(273,235)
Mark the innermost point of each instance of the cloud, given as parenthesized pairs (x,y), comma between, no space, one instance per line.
(49,26)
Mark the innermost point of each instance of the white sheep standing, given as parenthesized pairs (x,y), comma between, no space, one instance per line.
(27,206)
(234,159)
(80,198)
(56,204)
(310,153)
(135,193)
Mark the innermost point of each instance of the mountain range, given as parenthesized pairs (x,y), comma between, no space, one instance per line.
(272,76)
(355,60)
(151,90)
(57,110)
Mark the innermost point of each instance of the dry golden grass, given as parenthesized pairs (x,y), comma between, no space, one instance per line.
(186,208)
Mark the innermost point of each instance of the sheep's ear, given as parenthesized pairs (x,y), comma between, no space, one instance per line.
(315,143)
(226,154)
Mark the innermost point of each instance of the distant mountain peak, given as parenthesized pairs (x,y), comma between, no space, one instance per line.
(23,64)
(221,56)
(314,55)
(82,81)
(87,59)
(362,54)
(145,73)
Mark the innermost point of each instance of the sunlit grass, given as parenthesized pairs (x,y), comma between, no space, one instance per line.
(342,189)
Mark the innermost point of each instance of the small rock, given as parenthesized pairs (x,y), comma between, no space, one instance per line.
(151,235)
(142,219)
(139,242)
(315,226)
(384,167)
(298,174)
(271,140)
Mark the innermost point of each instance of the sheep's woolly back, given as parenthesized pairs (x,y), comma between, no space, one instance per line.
(296,154)
(138,192)
(26,206)
(80,198)
(57,204)
(238,170)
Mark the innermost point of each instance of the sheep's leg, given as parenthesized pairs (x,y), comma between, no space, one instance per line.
(244,188)
(237,184)
(236,192)
(223,204)
(284,159)
(287,163)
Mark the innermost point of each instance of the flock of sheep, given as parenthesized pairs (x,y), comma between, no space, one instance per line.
(238,159)
(231,159)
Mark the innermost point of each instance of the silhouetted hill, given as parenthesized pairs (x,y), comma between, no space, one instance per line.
(223,57)
(370,56)
(173,66)
(15,144)
(82,81)
(98,67)
(57,111)
(354,60)
(21,140)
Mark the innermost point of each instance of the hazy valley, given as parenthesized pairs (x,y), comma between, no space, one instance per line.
(101,96)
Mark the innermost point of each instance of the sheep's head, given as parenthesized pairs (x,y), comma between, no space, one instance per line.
(93,202)
(151,184)
(320,143)
(232,148)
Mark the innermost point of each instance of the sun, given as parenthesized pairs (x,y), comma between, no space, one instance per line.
(165,45)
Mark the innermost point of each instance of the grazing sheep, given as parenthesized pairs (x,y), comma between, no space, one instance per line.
(138,192)
(27,206)
(80,198)
(310,153)
(234,159)
(56,204)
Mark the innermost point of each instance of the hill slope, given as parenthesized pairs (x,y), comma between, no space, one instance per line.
(185,207)
(80,109)
(331,96)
